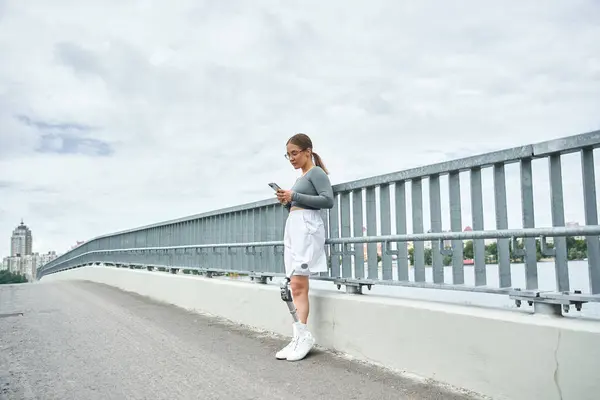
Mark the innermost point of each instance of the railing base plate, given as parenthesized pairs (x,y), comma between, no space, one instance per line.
(549,303)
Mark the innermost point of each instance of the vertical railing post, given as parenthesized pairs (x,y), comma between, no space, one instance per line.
(357,221)
(417,223)
(346,231)
(402,258)
(334,233)
(528,222)
(477,221)
(458,274)
(256,237)
(372,262)
(386,229)
(435,211)
(264,254)
(590,205)
(558,219)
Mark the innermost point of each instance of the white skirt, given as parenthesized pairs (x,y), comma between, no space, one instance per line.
(304,243)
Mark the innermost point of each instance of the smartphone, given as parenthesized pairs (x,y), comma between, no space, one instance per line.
(274,186)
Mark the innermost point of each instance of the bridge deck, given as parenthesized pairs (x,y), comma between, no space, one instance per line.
(89,341)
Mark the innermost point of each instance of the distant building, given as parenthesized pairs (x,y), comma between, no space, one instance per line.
(46,258)
(22,259)
(27,265)
(21,241)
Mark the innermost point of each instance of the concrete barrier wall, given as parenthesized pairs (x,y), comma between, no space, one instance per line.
(502,354)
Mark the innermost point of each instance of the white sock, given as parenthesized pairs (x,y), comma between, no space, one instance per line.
(301,328)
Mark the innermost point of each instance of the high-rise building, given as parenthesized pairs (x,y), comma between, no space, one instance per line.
(21,242)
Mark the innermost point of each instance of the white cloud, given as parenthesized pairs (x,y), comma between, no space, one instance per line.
(197,99)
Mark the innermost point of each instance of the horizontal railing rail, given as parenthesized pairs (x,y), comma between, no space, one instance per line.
(142,257)
(379,210)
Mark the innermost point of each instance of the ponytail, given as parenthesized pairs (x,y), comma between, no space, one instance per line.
(319,162)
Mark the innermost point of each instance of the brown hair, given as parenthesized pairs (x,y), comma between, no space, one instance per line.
(303,141)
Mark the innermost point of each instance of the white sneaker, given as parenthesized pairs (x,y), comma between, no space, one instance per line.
(304,344)
(287,350)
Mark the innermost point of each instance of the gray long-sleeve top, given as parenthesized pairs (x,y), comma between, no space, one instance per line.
(312,191)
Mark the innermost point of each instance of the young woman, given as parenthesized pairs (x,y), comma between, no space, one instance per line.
(304,237)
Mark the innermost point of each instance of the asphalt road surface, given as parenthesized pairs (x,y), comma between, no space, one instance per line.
(82,340)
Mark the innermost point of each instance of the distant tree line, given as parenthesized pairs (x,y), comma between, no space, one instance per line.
(576,250)
(7,277)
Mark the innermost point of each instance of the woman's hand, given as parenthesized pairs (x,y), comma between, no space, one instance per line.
(284,196)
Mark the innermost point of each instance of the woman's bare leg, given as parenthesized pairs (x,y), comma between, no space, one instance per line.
(299,286)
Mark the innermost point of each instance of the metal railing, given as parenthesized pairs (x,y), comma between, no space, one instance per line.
(247,239)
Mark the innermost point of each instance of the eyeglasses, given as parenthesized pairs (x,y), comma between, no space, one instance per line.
(293,154)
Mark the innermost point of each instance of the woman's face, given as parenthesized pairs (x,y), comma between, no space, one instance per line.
(297,156)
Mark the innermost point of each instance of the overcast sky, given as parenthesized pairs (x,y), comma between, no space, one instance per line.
(118,113)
